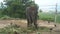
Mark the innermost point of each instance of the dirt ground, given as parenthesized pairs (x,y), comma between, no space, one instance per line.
(23,23)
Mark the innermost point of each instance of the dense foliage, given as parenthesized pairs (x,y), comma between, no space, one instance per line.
(15,8)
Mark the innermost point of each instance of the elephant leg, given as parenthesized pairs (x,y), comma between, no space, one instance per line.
(29,20)
(28,24)
(35,22)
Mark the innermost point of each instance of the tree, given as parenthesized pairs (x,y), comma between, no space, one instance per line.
(2,6)
(1,9)
(40,10)
(16,8)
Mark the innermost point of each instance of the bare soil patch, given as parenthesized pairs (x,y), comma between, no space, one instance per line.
(41,23)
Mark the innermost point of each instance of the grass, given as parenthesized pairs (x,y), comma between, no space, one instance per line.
(50,17)
(58,18)
(11,29)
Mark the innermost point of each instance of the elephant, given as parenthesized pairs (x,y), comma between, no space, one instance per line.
(31,15)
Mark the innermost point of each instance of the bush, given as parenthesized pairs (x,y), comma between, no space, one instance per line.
(14,29)
(5,17)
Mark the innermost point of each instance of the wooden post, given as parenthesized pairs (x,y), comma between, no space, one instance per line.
(56,13)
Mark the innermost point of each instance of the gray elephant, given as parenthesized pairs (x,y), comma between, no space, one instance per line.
(31,15)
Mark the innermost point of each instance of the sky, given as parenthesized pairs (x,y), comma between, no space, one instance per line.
(46,4)
(1,0)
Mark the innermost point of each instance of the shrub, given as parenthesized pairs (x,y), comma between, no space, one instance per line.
(5,17)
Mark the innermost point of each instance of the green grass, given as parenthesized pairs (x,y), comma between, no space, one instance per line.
(58,18)
(12,28)
(50,17)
